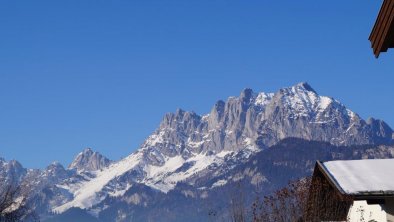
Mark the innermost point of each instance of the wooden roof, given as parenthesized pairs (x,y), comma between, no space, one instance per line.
(382,35)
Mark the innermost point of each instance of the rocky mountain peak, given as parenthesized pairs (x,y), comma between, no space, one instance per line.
(301,90)
(55,171)
(305,87)
(246,95)
(217,112)
(88,160)
(187,149)
(87,151)
(219,106)
(180,120)
(262,119)
(15,164)
(55,165)
(12,171)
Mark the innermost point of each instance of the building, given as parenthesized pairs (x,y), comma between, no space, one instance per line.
(382,35)
(352,190)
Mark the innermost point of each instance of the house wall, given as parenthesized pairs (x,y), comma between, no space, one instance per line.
(390,209)
(361,211)
(325,203)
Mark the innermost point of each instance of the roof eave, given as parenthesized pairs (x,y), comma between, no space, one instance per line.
(359,195)
(330,178)
(373,195)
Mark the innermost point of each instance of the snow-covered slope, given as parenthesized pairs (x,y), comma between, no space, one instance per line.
(88,192)
(191,149)
(186,144)
(85,191)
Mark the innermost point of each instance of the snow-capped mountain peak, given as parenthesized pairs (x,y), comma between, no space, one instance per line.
(302,100)
(188,148)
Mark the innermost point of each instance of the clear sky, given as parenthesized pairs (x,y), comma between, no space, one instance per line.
(102,74)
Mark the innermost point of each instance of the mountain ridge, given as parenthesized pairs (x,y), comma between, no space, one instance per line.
(192,149)
(250,122)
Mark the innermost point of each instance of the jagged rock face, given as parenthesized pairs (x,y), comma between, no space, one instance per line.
(11,172)
(380,129)
(55,171)
(248,123)
(263,119)
(190,149)
(300,112)
(88,160)
(14,172)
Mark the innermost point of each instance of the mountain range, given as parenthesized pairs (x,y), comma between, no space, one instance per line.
(191,165)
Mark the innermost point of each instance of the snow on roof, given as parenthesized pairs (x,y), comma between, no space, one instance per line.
(360,177)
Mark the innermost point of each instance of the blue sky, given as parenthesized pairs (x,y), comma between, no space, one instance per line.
(101,74)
